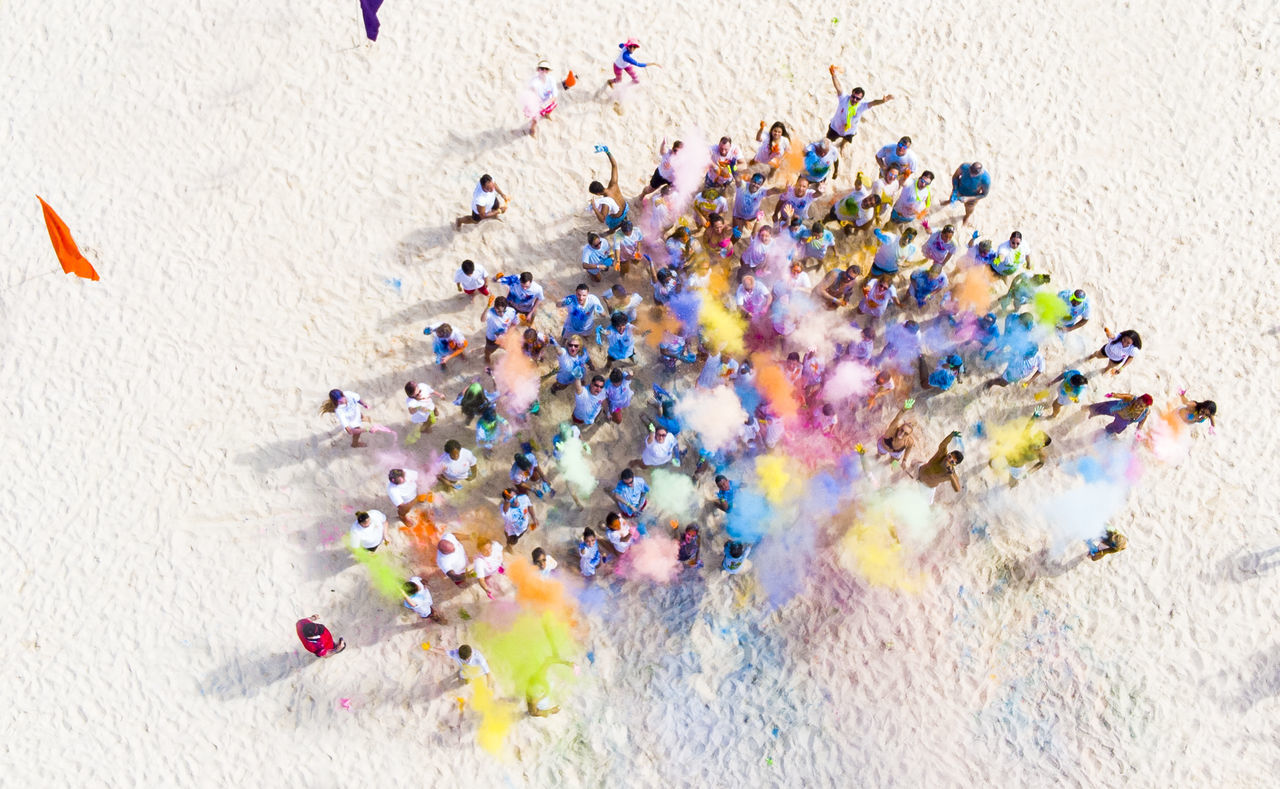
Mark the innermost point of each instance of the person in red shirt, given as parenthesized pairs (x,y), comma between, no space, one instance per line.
(317,639)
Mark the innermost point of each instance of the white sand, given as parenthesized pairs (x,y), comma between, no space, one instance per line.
(248,177)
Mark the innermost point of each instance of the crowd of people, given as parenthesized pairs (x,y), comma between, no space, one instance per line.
(713,275)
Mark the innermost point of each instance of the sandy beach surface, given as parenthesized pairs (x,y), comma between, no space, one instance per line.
(269,201)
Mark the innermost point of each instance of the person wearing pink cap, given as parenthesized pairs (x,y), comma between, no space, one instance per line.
(626,62)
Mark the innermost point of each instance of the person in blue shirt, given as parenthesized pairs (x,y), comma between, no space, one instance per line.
(926,282)
(944,376)
(627,62)
(818,242)
(1078,311)
(581,310)
(1072,386)
(573,361)
(631,493)
(619,340)
(969,184)
(725,491)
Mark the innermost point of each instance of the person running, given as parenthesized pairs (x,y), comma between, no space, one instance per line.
(543,88)
(941,468)
(420,401)
(774,148)
(1125,409)
(1119,349)
(523,294)
(627,62)
(1071,384)
(488,201)
(607,202)
(471,279)
(1025,366)
(969,184)
(346,406)
(664,175)
(317,639)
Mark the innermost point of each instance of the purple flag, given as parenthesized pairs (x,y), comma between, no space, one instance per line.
(370,9)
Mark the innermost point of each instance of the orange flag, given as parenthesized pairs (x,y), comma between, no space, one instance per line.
(63,244)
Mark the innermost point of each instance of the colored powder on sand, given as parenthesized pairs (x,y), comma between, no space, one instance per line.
(973,289)
(774,480)
(653,322)
(520,648)
(751,517)
(905,511)
(423,534)
(722,328)
(672,494)
(1048,308)
(781,563)
(792,164)
(848,379)
(870,551)
(774,386)
(686,306)
(539,593)
(1167,435)
(716,415)
(1013,441)
(817,328)
(1082,513)
(496,717)
(652,558)
(385,573)
(689,166)
(575,467)
(517,378)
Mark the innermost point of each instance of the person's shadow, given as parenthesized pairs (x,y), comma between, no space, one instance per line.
(244,678)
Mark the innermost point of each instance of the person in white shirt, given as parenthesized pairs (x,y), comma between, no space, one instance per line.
(915,200)
(1119,350)
(471,279)
(402,489)
(546,564)
(665,173)
(417,598)
(772,148)
(420,400)
(346,406)
(518,516)
(497,319)
(471,664)
(459,465)
(752,298)
(542,90)
(485,203)
(451,558)
(618,532)
(849,109)
(369,531)
(660,448)
(486,564)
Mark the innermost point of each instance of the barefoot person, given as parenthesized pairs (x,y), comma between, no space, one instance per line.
(1119,349)
(417,598)
(607,202)
(485,203)
(369,531)
(969,184)
(346,406)
(1125,409)
(317,639)
(451,559)
(849,109)
(773,147)
(627,62)
(402,489)
(543,89)
(899,439)
(1194,412)
(941,468)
